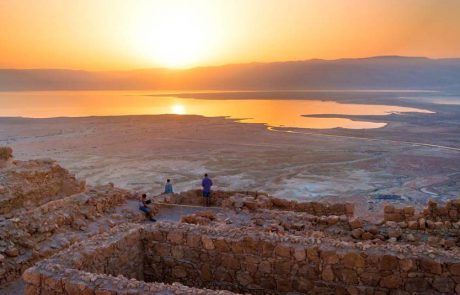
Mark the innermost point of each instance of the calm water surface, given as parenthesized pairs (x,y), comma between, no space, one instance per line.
(272,112)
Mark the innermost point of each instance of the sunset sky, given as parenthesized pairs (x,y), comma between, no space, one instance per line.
(122,34)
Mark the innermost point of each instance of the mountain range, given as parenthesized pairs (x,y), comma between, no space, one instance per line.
(382,72)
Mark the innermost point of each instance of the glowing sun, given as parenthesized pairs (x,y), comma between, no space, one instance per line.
(178,39)
(178,109)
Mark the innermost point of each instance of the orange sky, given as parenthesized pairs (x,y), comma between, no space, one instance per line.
(122,34)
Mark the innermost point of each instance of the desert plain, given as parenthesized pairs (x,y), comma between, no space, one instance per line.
(413,158)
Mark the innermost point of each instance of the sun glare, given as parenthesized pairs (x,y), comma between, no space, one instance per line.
(178,109)
(175,39)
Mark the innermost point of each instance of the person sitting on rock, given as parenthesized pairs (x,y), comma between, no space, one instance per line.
(143,206)
(168,187)
(206,183)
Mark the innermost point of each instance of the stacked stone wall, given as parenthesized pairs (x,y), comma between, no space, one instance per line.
(433,212)
(108,265)
(33,183)
(255,200)
(22,237)
(6,153)
(259,263)
(256,263)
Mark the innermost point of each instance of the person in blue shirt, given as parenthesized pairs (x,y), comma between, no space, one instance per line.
(206,183)
(168,187)
(144,207)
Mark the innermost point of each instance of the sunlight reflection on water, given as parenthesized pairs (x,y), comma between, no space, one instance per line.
(272,112)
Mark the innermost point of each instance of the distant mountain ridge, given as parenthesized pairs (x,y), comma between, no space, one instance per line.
(380,72)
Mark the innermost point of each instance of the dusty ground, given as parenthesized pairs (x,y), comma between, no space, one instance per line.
(409,157)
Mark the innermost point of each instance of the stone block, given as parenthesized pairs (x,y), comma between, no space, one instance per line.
(175,237)
(300,253)
(208,244)
(430,266)
(329,257)
(416,285)
(355,223)
(444,285)
(328,274)
(389,262)
(32,276)
(391,281)
(454,269)
(283,250)
(353,260)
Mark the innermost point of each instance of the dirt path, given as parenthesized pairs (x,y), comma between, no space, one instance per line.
(369,139)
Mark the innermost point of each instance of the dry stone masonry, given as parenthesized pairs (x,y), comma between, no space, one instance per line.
(254,200)
(227,258)
(66,237)
(44,209)
(25,184)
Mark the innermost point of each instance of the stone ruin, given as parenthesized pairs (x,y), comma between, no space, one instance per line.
(44,209)
(6,155)
(190,259)
(66,237)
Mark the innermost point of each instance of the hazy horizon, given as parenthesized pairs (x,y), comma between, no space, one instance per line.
(118,35)
(382,57)
(387,72)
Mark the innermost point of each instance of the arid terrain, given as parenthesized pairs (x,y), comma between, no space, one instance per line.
(413,158)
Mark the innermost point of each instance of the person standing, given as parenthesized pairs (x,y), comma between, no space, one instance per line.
(168,187)
(206,183)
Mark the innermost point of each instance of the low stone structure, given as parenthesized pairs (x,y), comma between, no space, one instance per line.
(255,200)
(44,209)
(433,212)
(6,155)
(239,261)
(43,231)
(110,264)
(26,184)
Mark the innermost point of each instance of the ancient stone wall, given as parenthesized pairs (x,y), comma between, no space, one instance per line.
(33,183)
(254,200)
(433,212)
(6,156)
(27,237)
(117,256)
(6,153)
(252,261)
(449,212)
(108,264)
